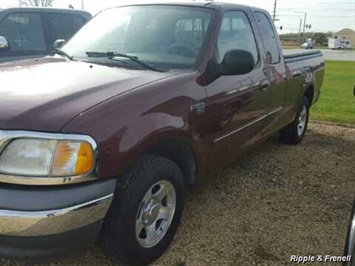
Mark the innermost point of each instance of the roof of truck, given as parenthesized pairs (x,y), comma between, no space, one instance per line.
(208,4)
(188,3)
(45,10)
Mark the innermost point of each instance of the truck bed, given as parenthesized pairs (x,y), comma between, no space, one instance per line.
(294,57)
(306,68)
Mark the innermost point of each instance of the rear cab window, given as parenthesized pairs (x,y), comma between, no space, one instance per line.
(268,38)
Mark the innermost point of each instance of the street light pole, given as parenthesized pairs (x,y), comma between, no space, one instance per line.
(304,23)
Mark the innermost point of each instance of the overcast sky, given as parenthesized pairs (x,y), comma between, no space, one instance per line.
(323,15)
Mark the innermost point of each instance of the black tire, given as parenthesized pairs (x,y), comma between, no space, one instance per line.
(118,235)
(291,133)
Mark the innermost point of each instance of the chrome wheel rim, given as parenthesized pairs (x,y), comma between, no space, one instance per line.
(302,120)
(155,213)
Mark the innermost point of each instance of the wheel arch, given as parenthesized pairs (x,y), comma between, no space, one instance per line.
(181,153)
(309,93)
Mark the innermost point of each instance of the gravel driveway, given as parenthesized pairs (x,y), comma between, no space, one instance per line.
(275,202)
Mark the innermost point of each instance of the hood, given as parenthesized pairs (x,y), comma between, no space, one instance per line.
(45,94)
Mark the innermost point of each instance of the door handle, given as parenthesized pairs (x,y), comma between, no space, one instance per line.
(264,85)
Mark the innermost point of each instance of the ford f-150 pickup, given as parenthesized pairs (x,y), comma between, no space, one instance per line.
(104,137)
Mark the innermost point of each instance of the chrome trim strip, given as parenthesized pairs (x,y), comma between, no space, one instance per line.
(15,134)
(237,90)
(240,128)
(275,110)
(248,124)
(40,223)
(8,135)
(45,181)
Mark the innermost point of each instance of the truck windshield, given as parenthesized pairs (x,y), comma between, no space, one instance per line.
(166,37)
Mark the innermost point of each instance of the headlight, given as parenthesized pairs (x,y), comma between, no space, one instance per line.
(47,157)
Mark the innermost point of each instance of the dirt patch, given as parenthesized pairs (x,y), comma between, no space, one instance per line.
(276,201)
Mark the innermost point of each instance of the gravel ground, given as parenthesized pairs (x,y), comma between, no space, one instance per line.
(276,201)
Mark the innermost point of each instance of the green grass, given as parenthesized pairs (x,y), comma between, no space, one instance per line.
(336,102)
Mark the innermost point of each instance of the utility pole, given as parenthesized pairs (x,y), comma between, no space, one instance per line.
(274,13)
(299,32)
(304,26)
(304,23)
(82,4)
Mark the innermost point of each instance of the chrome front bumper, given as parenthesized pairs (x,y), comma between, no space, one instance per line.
(28,211)
(46,222)
(50,222)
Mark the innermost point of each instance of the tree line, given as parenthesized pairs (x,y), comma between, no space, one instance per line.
(42,3)
(319,37)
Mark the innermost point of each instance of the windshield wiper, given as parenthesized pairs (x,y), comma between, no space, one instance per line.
(111,55)
(62,53)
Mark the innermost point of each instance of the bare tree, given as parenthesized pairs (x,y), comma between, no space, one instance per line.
(35,2)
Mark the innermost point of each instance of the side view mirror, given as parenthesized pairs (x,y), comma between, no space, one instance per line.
(58,43)
(4,44)
(237,62)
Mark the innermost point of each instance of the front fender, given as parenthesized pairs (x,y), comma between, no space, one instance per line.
(127,125)
(116,150)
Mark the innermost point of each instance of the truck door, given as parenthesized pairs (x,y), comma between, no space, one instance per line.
(274,69)
(236,104)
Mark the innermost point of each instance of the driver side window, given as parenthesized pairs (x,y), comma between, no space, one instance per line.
(236,33)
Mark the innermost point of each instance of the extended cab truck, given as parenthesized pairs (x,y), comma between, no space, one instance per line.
(105,136)
(30,32)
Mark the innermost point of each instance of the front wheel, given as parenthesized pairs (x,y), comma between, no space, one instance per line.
(294,132)
(145,211)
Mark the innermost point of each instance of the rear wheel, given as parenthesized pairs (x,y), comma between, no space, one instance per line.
(145,211)
(294,132)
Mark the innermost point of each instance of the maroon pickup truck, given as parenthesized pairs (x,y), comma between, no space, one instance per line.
(104,137)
